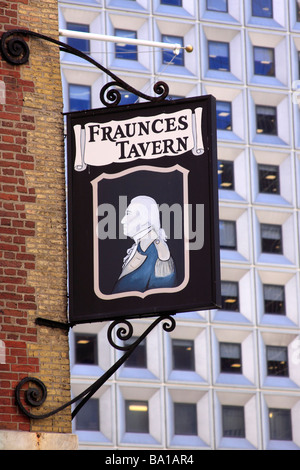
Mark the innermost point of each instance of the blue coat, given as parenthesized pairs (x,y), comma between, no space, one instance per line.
(147,271)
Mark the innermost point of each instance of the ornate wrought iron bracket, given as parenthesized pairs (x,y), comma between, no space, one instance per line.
(15,50)
(36,395)
(31,391)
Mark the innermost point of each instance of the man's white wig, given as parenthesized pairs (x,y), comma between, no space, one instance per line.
(149,214)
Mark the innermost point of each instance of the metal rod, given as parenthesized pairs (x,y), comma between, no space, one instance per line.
(141,42)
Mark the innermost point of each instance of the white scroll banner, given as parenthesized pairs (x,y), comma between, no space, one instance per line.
(99,144)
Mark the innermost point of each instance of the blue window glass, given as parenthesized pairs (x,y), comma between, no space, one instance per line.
(126,51)
(127,97)
(79,97)
(218,55)
(175,3)
(217,5)
(224,115)
(262,8)
(264,63)
(168,54)
(82,45)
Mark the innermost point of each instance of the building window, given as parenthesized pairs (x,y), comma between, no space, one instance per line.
(79,97)
(82,45)
(183,354)
(86,348)
(168,54)
(271,239)
(136,416)
(185,419)
(230,358)
(280,424)
(126,51)
(227,235)
(87,418)
(274,299)
(230,296)
(277,361)
(175,3)
(217,5)
(225,175)
(138,358)
(298,10)
(233,421)
(266,120)
(127,97)
(268,176)
(262,8)
(218,56)
(264,62)
(223,109)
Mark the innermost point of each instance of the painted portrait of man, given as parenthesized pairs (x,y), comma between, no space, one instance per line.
(148,263)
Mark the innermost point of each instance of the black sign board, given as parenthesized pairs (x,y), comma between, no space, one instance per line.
(143,210)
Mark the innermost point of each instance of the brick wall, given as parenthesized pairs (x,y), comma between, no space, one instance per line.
(32,221)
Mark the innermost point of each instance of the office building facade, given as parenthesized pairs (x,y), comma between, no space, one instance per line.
(225,378)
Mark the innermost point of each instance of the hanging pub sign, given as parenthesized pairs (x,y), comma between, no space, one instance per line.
(143,210)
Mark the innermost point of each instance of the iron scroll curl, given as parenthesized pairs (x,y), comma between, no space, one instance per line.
(36,394)
(15,50)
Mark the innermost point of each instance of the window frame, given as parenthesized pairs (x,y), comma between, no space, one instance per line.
(128,49)
(216,10)
(276,251)
(186,343)
(288,415)
(262,16)
(177,60)
(89,101)
(271,301)
(226,45)
(169,3)
(283,369)
(140,425)
(133,361)
(178,419)
(95,348)
(230,365)
(75,42)
(272,172)
(223,300)
(228,110)
(260,119)
(232,223)
(95,414)
(270,50)
(242,417)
